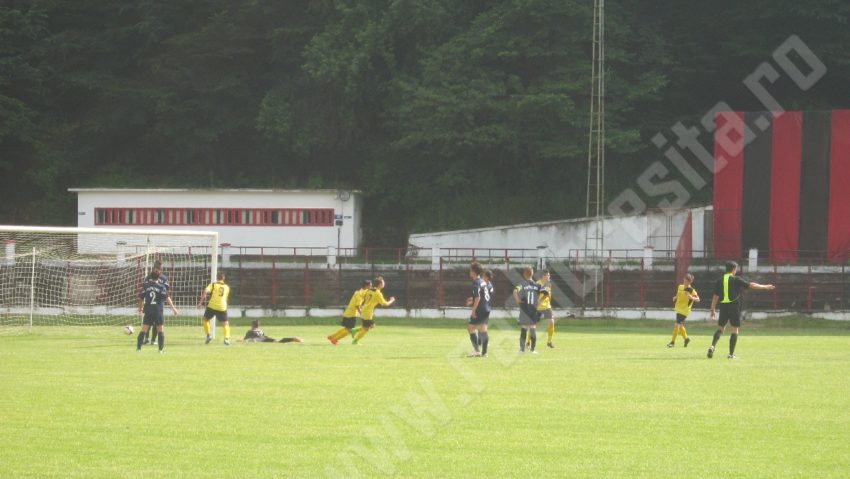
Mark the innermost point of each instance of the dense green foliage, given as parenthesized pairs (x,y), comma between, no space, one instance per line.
(446,113)
(610,401)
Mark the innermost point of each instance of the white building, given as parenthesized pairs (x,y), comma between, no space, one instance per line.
(656,230)
(242,217)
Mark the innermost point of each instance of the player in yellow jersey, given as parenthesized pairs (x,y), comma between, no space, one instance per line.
(371,300)
(544,306)
(684,300)
(216,307)
(349,316)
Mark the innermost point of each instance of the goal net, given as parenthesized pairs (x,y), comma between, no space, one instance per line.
(92,276)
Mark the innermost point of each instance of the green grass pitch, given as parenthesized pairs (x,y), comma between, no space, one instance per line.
(610,401)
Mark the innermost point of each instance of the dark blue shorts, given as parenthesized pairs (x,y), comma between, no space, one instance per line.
(480,318)
(528,315)
(154,318)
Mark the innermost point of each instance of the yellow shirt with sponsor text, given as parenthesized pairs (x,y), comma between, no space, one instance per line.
(372,298)
(218,293)
(355,302)
(545,301)
(683,301)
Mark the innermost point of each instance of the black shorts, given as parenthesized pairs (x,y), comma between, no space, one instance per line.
(349,323)
(220,316)
(480,318)
(680,318)
(368,323)
(153,318)
(731,315)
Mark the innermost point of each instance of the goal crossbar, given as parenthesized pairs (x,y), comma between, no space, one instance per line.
(213,235)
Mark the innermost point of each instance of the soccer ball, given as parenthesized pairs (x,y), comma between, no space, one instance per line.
(128,329)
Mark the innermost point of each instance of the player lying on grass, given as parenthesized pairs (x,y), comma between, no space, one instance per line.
(256,335)
(683,302)
(154,294)
(371,300)
(349,316)
(729,290)
(479,316)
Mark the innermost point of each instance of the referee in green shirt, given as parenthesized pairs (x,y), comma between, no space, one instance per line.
(728,291)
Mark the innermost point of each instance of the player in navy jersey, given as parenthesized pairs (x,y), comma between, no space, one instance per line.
(488,278)
(151,300)
(491,291)
(479,316)
(163,278)
(526,295)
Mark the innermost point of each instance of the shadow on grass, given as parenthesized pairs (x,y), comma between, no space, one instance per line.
(677,358)
(793,325)
(788,326)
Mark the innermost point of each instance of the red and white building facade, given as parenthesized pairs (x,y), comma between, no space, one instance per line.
(242,217)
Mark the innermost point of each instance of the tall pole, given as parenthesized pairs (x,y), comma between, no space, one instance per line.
(594,231)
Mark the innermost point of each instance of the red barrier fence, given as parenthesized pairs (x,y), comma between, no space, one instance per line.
(627,281)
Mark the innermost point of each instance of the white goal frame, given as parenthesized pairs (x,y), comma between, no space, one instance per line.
(211,235)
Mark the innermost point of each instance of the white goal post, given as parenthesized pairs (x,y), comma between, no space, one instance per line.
(92,276)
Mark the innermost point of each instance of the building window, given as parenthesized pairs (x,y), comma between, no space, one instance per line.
(214,216)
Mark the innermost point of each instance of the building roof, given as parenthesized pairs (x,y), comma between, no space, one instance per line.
(659,211)
(207,190)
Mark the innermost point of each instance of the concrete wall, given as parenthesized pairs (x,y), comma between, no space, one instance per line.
(265,236)
(563,238)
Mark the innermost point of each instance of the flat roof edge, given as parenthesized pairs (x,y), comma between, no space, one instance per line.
(207,190)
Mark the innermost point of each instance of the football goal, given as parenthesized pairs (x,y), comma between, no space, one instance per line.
(92,276)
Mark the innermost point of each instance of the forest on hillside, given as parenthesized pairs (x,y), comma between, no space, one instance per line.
(445,113)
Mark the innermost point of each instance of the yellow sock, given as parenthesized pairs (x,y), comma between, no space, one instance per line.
(207,329)
(675,333)
(360,334)
(683,332)
(551,332)
(340,334)
(226,330)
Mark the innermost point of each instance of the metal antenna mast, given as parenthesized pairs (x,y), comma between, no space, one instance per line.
(594,233)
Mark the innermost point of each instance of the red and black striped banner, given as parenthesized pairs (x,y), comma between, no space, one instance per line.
(782,185)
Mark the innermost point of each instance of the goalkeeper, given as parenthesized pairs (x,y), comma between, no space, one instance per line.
(256,335)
